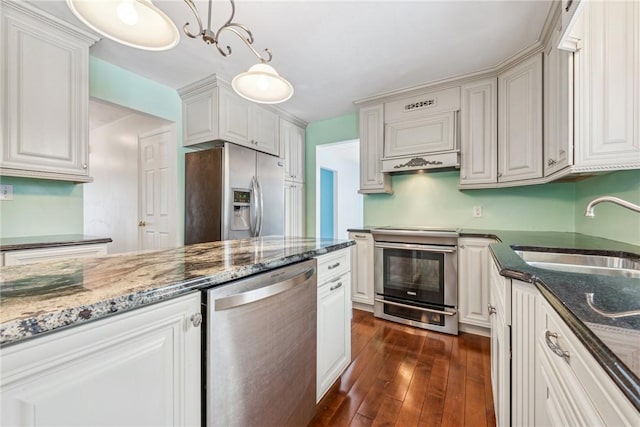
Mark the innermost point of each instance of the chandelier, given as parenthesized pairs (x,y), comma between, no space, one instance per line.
(140,24)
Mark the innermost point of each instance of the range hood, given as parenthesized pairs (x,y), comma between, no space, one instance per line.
(430,162)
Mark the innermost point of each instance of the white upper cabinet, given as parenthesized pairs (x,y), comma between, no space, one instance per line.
(558,106)
(520,121)
(421,124)
(372,180)
(234,118)
(292,149)
(607,66)
(479,132)
(211,111)
(264,130)
(45,96)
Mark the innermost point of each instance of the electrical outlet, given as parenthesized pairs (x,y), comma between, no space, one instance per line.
(477,211)
(6,192)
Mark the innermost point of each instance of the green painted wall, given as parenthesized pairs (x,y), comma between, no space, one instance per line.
(337,129)
(611,221)
(41,207)
(434,199)
(55,207)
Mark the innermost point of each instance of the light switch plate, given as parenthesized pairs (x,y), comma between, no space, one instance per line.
(6,192)
(477,211)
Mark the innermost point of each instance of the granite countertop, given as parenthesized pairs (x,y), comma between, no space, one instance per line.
(37,242)
(39,298)
(614,343)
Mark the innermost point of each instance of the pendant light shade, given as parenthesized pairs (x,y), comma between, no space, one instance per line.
(135,23)
(262,84)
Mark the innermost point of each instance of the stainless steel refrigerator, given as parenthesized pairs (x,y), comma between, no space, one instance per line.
(232,192)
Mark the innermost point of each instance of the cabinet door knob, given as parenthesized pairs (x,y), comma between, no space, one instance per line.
(499,174)
(84,166)
(551,162)
(492,309)
(142,224)
(196,319)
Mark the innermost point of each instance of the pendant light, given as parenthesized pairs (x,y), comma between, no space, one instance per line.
(262,84)
(140,24)
(135,23)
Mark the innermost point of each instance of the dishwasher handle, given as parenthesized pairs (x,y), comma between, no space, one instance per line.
(249,297)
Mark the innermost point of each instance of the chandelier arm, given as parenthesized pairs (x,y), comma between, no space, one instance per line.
(247,39)
(194,9)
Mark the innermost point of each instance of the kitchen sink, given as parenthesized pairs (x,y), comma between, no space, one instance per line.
(585,264)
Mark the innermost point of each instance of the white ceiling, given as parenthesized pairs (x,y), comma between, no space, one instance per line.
(335,52)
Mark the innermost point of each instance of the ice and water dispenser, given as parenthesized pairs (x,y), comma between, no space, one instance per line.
(241,217)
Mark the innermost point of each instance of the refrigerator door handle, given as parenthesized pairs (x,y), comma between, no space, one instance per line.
(260,218)
(253,209)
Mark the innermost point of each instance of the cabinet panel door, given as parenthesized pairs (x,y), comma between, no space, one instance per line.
(135,368)
(474,265)
(372,180)
(294,220)
(334,337)
(420,135)
(265,130)
(362,268)
(200,112)
(45,97)
(234,118)
(479,132)
(292,146)
(607,88)
(520,121)
(558,106)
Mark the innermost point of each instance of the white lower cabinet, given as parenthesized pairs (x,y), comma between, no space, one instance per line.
(541,374)
(474,265)
(30,256)
(362,268)
(334,320)
(500,350)
(136,368)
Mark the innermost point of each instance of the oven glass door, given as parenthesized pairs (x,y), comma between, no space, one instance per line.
(414,275)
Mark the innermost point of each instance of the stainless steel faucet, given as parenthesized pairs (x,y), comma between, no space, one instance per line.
(617,201)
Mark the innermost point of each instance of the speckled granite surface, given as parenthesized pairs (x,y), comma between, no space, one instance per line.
(44,297)
(37,242)
(614,343)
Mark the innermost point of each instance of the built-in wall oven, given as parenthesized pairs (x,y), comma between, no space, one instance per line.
(416,277)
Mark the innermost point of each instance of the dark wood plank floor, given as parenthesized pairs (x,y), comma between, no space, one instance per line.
(403,376)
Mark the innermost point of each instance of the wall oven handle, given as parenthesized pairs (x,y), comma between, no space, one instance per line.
(424,248)
(446,313)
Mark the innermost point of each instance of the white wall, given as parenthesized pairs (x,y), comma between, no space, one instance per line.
(344,158)
(111,200)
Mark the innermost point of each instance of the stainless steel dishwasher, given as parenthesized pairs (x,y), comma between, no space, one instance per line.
(261,349)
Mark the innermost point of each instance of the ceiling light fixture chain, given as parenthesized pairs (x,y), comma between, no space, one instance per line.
(211,38)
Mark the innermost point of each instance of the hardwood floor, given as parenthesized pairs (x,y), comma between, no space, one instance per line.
(404,376)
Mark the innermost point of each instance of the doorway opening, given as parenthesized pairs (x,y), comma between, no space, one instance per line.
(133,163)
(338,203)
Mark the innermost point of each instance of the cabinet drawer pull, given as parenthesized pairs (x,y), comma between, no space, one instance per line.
(333,288)
(360,236)
(336,265)
(554,346)
(492,309)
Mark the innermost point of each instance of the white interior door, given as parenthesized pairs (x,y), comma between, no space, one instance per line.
(158,182)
